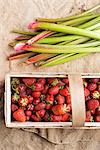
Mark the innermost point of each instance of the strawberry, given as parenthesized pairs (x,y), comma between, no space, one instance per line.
(42,81)
(46,117)
(35,118)
(46,87)
(15,98)
(60,99)
(28,113)
(92,112)
(48,106)
(22,94)
(40,106)
(23,101)
(14,107)
(55,118)
(65,80)
(59,109)
(60,83)
(40,113)
(64,92)
(95,94)
(92,86)
(53,90)
(94,80)
(19,115)
(51,80)
(97,118)
(89,117)
(68,99)
(49,99)
(30,99)
(36,101)
(86,92)
(20,88)
(29,81)
(28,91)
(65,117)
(30,107)
(92,104)
(97,112)
(38,87)
(36,94)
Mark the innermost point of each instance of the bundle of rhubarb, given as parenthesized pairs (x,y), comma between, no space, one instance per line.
(49,100)
(50,42)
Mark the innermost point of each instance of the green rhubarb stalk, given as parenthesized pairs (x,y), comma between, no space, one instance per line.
(80,20)
(67,59)
(69,17)
(67,29)
(64,50)
(24,32)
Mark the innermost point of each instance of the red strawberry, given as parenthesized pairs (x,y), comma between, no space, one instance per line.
(46,116)
(60,99)
(55,118)
(68,99)
(49,99)
(89,118)
(48,106)
(42,81)
(46,87)
(40,106)
(92,104)
(97,112)
(28,113)
(30,99)
(29,81)
(59,109)
(95,94)
(41,113)
(92,112)
(38,87)
(14,107)
(51,80)
(86,92)
(54,90)
(30,107)
(65,80)
(60,83)
(97,118)
(20,88)
(92,86)
(35,118)
(65,117)
(64,92)
(94,80)
(36,101)
(29,91)
(36,94)
(23,101)
(23,94)
(15,98)
(19,115)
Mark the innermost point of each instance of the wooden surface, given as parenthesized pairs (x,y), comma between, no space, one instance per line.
(17,13)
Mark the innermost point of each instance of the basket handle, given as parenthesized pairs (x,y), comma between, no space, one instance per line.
(77,100)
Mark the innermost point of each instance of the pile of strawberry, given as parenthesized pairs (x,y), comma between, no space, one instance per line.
(40,99)
(92,99)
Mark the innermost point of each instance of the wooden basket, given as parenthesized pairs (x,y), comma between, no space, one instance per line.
(77,100)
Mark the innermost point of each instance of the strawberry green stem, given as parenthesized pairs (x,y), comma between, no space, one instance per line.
(67,29)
